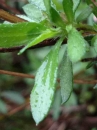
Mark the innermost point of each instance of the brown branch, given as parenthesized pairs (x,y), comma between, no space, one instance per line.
(22,75)
(9,17)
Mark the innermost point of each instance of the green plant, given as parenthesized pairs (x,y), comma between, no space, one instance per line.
(51,21)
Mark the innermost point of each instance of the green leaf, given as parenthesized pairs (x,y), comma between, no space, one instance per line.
(76,45)
(84,14)
(49,33)
(37,16)
(38,3)
(68,9)
(43,92)
(66,78)
(54,15)
(19,33)
(76,4)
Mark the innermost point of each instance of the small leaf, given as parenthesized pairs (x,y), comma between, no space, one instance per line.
(43,92)
(37,16)
(84,14)
(49,33)
(76,4)
(66,78)
(17,34)
(68,9)
(76,46)
(13,96)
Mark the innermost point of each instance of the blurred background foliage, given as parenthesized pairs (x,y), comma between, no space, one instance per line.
(79,113)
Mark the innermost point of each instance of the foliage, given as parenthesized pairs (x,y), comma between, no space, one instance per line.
(51,21)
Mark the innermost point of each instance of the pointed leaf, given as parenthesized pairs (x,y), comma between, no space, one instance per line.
(66,78)
(76,45)
(84,14)
(43,92)
(49,33)
(19,33)
(68,9)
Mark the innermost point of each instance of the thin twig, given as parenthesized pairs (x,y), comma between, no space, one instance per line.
(9,17)
(22,75)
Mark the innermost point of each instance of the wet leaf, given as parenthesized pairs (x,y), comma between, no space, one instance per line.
(43,92)
(66,78)
(76,45)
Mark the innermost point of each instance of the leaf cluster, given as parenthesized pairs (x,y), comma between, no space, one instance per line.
(49,20)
